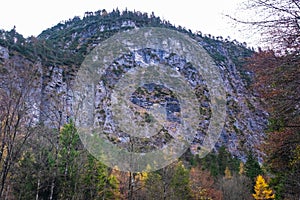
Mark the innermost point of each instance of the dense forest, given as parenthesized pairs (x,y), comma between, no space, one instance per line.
(256,157)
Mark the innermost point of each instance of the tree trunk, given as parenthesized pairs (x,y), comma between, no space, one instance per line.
(38,187)
(52,188)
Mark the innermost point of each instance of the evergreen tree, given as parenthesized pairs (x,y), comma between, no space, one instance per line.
(180,182)
(171,182)
(97,181)
(154,186)
(26,186)
(68,153)
(252,167)
(89,178)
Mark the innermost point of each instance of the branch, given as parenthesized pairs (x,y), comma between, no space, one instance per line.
(252,22)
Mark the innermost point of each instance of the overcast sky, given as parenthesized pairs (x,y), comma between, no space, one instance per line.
(31,17)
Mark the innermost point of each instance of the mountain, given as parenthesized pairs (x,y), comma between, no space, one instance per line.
(58,52)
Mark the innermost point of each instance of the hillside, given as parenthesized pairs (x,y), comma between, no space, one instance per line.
(60,50)
(55,56)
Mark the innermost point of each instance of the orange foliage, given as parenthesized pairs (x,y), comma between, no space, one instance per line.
(202,185)
(277,82)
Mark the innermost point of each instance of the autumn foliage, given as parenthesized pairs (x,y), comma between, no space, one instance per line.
(202,185)
(262,191)
(277,84)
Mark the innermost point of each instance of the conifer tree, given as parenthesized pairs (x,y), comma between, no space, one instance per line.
(228,173)
(68,153)
(252,167)
(241,168)
(180,182)
(262,190)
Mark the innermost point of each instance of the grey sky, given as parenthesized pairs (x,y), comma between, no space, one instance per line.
(208,16)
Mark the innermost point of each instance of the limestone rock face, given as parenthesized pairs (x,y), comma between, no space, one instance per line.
(4,53)
(60,50)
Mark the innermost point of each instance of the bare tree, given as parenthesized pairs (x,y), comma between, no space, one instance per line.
(236,187)
(19,80)
(278,21)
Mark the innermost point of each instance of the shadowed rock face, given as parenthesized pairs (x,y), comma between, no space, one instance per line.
(150,94)
(245,120)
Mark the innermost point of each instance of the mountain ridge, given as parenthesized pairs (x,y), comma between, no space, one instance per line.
(59,51)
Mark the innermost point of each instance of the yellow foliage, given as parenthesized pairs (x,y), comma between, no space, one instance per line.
(228,173)
(142,176)
(242,168)
(296,158)
(262,191)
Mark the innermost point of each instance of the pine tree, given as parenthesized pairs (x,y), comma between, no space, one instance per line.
(262,191)
(154,186)
(180,182)
(67,155)
(99,181)
(252,167)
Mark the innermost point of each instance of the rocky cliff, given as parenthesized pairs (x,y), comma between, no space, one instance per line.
(58,52)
